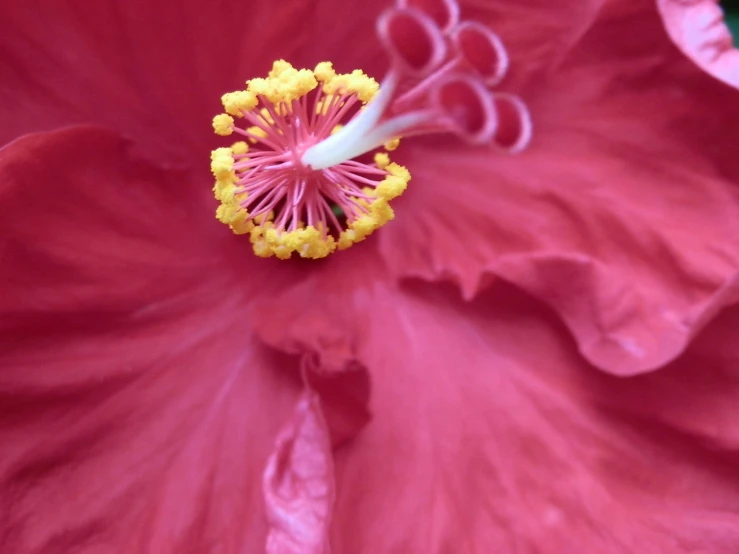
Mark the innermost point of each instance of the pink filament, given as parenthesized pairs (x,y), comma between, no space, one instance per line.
(276,181)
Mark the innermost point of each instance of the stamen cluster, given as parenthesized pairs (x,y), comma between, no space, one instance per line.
(264,187)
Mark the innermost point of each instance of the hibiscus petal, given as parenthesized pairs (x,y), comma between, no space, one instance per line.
(87,226)
(155,73)
(330,366)
(623,213)
(491,435)
(298,480)
(699,30)
(136,414)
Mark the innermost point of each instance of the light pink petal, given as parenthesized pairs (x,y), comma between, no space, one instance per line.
(298,483)
(623,212)
(699,30)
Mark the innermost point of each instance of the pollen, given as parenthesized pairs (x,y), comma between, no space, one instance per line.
(392,144)
(236,102)
(223,124)
(356,82)
(265,189)
(395,183)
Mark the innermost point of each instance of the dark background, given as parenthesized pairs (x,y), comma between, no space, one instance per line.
(732,16)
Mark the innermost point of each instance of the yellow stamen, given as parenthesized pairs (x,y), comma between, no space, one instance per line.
(239,147)
(355,82)
(223,124)
(382,160)
(283,85)
(392,144)
(324,72)
(240,101)
(394,184)
(222,162)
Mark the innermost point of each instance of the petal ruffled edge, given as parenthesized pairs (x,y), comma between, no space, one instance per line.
(472,444)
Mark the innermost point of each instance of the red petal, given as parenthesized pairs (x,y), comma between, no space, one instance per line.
(317,331)
(143,436)
(490,434)
(90,229)
(344,396)
(622,214)
(699,30)
(536,33)
(156,73)
(298,484)
(136,414)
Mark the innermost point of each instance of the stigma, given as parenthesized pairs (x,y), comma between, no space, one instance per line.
(311,172)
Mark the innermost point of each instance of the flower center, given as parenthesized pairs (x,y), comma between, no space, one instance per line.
(303,180)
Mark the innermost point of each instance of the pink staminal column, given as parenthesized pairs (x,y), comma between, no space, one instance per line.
(441,80)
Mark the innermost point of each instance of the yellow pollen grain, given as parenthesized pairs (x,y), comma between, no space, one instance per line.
(307,242)
(395,183)
(392,144)
(223,124)
(241,227)
(382,160)
(399,171)
(278,68)
(224,191)
(283,84)
(378,209)
(257,132)
(231,214)
(239,148)
(235,103)
(391,187)
(324,71)
(355,82)
(222,163)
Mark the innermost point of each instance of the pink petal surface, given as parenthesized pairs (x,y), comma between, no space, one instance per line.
(623,214)
(491,435)
(699,30)
(137,414)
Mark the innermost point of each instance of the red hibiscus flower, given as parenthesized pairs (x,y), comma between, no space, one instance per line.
(456,383)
